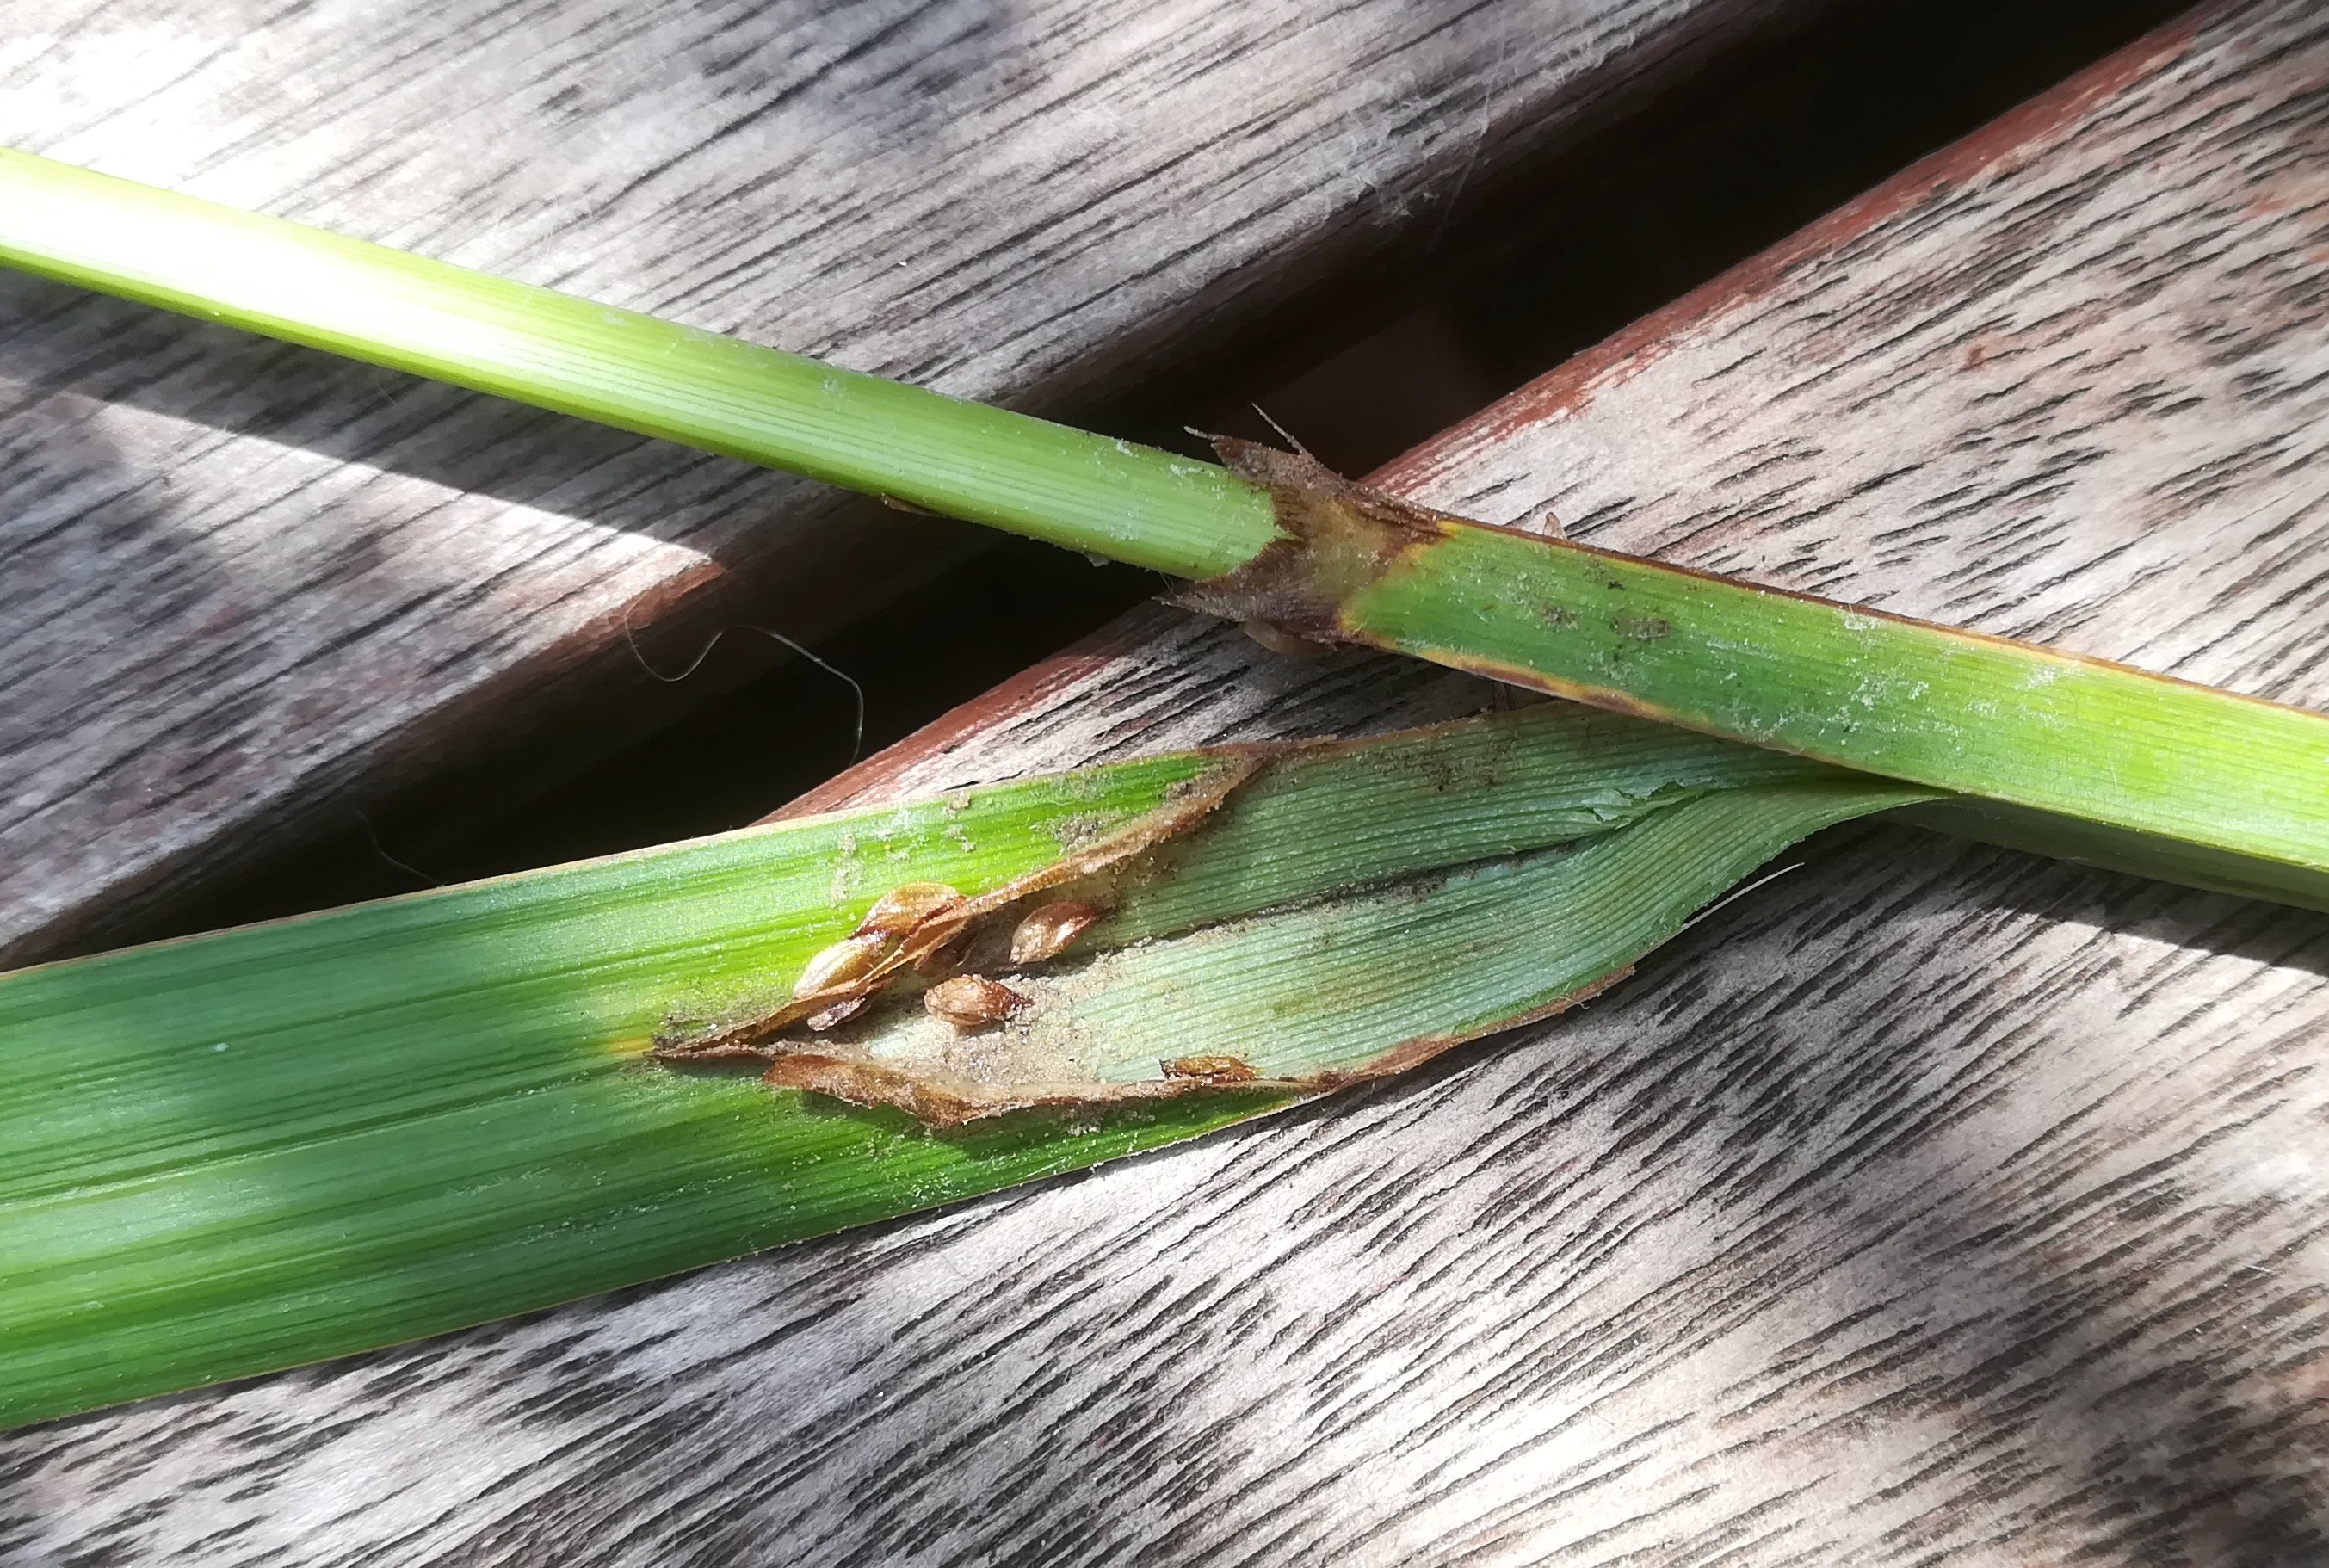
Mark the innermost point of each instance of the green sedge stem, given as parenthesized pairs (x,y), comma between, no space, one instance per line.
(268,275)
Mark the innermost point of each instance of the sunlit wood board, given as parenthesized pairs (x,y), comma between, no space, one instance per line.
(1931,1203)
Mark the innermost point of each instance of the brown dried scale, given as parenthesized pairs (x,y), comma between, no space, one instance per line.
(845,963)
(841,1011)
(971,1001)
(927,947)
(931,929)
(1046,931)
(906,907)
(933,962)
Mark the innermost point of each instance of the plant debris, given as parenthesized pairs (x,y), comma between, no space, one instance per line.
(1006,1019)
(971,1002)
(1337,536)
(920,930)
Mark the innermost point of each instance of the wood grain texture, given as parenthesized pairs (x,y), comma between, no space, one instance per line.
(244,586)
(1931,1205)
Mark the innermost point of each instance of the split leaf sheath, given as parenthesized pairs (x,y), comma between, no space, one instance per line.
(246,1150)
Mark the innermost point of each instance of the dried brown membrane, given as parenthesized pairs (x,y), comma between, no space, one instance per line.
(928,938)
(952,1008)
(1337,538)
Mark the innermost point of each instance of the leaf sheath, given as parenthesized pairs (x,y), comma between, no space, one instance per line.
(246,1150)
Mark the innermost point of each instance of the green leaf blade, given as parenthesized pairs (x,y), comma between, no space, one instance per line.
(435,1111)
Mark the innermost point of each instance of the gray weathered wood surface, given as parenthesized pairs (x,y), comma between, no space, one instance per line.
(243,587)
(1931,1204)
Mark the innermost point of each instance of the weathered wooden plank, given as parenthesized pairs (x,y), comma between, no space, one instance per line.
(1931,1205)
(246,586)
